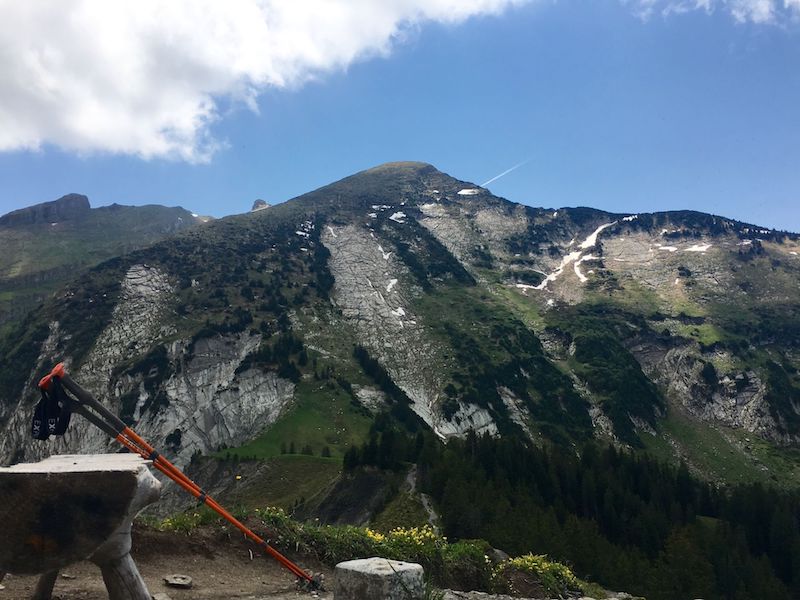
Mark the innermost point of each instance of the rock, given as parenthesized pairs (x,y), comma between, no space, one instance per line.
(74,485)
(498,556)
(69,207)
(178,581)
(67,576)
(378,579)
(161,596)
(259,205)
(374,292)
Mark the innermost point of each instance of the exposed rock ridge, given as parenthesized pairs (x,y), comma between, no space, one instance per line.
(207,403)
(373,290)
(203,402)
(69,207)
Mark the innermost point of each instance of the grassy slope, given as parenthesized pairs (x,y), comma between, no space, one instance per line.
(321,416)
(723,454)
(291,479)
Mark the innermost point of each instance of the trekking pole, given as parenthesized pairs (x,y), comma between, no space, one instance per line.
(54,387)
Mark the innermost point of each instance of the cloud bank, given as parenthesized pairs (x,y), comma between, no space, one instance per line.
(147,78)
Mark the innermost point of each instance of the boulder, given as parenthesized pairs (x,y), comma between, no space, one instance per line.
(378,579)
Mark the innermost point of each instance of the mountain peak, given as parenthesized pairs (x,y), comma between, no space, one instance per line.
(402,165)
(68,207)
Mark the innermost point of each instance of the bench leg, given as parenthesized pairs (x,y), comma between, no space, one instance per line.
(123,580)
(44,589)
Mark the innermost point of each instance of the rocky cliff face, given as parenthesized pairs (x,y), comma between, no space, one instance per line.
(66,208)
(375,291)
(192,403)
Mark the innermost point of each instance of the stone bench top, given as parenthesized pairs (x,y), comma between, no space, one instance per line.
(62,509)
(80,463)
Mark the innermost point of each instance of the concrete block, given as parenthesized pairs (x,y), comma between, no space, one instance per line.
(378,579)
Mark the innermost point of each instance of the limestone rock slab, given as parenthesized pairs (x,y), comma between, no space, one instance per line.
(378,579)
(62,509)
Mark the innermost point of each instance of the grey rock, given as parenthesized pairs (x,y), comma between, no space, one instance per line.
(378,579)
(178,581)
(71,206)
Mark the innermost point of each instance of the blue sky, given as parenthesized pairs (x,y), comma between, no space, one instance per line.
(615,111)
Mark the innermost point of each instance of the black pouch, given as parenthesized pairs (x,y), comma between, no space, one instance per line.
(39,429)
(52,413)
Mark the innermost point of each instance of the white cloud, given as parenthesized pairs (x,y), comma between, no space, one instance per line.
(146,78)
(742,11)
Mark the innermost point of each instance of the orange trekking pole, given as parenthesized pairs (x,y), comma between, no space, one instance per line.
(52,417)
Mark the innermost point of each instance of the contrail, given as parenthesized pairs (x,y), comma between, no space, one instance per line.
(506,172)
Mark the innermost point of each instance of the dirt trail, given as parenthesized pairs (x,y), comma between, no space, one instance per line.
(220,569)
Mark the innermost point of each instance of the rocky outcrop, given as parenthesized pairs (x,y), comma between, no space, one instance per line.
(200,403)
(207,404)
(476,234)
(737,399)
(374,291)
(66,208)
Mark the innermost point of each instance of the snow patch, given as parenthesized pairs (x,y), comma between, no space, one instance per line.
(392,283)
(630,218)
(575,257)
(398,217)
(590,241)
(668,248)
(301,233)
(745,243)
(331,230)
(386,255)
(571,257)
(577,268)
(469,192)
(698,248)
(372,215)
(399,312)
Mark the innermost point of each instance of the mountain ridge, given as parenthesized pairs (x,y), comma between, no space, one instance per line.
(533,343)
(49,243)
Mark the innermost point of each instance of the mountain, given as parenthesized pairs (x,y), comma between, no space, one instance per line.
(48,244)
(402,290)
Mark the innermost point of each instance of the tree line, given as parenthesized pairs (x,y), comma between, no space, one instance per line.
(620,518)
